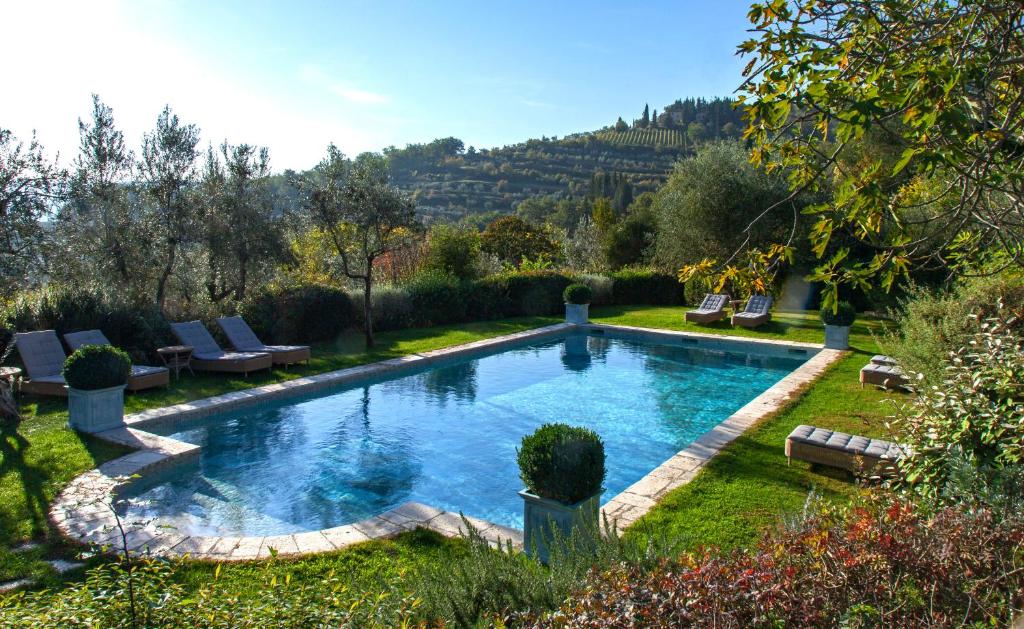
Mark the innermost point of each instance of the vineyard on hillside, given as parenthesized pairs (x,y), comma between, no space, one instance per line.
(643,137)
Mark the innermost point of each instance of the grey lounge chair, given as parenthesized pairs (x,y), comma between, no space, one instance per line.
(208,356)
(711,309)
(43,357)
(884,372)
(244,339)
(756,313)
(142,376)
(859,455)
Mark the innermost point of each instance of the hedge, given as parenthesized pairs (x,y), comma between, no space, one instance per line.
(299,314)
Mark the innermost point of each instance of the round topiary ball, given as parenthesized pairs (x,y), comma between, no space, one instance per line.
(577,294)
(93,367)
(843,316)
(563,463)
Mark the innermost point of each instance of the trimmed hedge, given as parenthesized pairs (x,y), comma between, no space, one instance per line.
(646,286)
(299,314)
(137,328)
(95,367)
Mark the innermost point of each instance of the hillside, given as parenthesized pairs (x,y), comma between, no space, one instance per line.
(451,182)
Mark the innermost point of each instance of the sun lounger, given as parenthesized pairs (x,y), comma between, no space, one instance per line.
(711,309)
(244,339)
(43,357)
(756,313)
(142,376)
(884,372)
(208,356)
(859,455)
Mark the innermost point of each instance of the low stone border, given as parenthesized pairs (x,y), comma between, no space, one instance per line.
(82,511)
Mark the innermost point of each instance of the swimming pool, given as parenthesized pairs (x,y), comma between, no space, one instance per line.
(446,435)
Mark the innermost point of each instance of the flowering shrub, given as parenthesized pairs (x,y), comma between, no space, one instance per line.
(880,564)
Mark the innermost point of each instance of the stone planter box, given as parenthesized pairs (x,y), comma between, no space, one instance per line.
(577,313)
(96,411)
(837,337)
(542,516)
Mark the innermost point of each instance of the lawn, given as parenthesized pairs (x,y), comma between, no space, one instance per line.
(743,490)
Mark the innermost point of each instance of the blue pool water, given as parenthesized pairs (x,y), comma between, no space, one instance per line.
(447,436)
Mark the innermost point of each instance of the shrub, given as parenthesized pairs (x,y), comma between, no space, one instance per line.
(453,250)
(487,298)
(646,286)
(877,565)
(843,316)
(299,314)
(931,325)
(93,367)
(976,416)
(437,298)
(137,328)
(577,294)
(563,463)
(157,598)
(392,308)
(535,292)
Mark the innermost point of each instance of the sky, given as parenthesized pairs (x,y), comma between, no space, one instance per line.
(296,76)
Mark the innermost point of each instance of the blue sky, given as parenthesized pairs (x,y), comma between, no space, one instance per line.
(294,76)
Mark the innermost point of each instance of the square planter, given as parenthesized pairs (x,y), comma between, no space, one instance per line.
(542,516)
(837,337)
(577,313)
(96,411)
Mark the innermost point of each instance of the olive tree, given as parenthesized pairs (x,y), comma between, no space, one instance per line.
(29,187)
(168,175)
(354,203)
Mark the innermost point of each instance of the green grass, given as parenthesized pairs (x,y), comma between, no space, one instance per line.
(743,490)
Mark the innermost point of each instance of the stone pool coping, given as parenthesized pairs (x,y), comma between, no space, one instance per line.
(82,511)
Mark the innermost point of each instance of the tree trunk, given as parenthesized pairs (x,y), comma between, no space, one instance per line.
(161,285)
(368,309)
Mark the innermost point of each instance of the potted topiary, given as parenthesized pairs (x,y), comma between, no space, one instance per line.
(563,468)
(837,325)
(96,376)
(577,303)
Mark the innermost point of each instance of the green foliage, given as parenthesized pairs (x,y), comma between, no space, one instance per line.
(485,584)
(931,324)
(533,293)
(706,208)
(824,76)
(138,328)
(453,250)
(392,307)
(977,415)
(562,462)
(299,314)
(629,241)
(437,297)
(27,182)
(645,286)
(104,600)
(577,294)
(93,367)
(512,239)
(844,315)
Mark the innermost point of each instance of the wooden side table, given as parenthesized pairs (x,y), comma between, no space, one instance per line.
(177,357)
(13,377)
(735,305)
